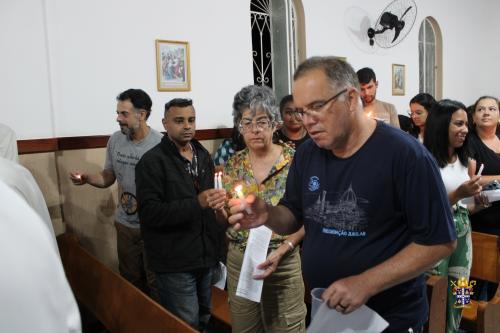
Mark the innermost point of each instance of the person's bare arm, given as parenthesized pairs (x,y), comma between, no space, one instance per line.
(348,294)
(485,179)
(102,179)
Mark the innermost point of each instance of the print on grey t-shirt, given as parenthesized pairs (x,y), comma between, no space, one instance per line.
(122,156)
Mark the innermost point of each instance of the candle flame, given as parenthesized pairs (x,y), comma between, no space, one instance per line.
(238,188)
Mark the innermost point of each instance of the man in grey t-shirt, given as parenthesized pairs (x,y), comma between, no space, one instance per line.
(125,148)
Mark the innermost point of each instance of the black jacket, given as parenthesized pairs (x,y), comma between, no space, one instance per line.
(179,235)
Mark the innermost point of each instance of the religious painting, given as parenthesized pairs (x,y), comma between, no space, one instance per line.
(398,79)
(172,66)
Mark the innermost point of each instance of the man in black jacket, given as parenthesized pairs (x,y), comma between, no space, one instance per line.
(175,181)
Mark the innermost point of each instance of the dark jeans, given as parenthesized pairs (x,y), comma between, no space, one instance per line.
(187,295)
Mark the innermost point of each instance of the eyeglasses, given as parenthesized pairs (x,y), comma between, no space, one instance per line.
(313,109)
(248,125)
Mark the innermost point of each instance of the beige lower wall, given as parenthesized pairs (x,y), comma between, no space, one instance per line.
(85,210)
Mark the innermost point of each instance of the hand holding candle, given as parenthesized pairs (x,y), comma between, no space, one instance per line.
(77,178)
(240,195)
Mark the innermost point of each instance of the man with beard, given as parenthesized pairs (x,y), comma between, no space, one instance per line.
(125,148)
(373,107)
(175,183)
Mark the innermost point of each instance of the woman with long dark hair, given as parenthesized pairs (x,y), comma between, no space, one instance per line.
(446,138)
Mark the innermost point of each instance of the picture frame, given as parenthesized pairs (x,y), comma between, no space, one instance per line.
(172,66)
(398,79)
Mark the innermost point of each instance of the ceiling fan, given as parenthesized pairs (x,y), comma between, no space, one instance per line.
(394,24)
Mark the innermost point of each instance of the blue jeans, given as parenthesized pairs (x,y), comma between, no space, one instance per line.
(187,295)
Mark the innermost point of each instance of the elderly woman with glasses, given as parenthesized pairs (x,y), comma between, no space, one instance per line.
(262,168)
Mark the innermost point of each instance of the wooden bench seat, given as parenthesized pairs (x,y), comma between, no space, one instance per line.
(484,317)
(114,301)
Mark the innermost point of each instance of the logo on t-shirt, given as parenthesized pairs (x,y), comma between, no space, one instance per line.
(313,184)
(342,216)
(128,203)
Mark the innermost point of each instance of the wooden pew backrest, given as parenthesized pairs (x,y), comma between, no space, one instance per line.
(484,317)
(485,257)
(437,291)
(119,305)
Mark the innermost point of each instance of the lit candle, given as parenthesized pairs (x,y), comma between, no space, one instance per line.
(240,195)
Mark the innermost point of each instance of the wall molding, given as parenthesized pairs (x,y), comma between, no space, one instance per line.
(33,146)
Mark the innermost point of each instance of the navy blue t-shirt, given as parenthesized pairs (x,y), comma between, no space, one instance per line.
(362,210)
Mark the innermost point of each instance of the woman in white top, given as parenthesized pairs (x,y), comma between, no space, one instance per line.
(446,138)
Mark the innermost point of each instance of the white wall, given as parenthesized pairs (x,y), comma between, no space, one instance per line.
(97,49)
(64,61)
(470,45)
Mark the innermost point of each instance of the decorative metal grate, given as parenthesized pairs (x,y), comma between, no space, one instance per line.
(260,18)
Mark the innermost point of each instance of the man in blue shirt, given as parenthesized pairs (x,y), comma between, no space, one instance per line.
(371,199)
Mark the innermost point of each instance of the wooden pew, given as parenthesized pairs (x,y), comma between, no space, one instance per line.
(118,305)
(484,317)
(437,289)
(221,316)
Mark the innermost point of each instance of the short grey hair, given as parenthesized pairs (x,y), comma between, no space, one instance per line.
(255,98)
(339,72)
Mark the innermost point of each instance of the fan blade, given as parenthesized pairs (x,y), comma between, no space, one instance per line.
(406,11)
(397,31)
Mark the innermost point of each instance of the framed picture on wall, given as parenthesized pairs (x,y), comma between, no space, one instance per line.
(172,66)
(398,79)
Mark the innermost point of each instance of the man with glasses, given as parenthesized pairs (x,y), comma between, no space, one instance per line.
(124,149)
(373,107)
(293,132)
(371,199)
(183,242)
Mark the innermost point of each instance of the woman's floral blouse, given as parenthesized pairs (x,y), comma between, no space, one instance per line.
(238,170)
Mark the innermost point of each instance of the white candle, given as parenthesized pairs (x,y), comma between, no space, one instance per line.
(240,195)
(480,169)
(219,179)
(216,182)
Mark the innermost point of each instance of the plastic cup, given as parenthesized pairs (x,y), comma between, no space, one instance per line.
(316,300)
